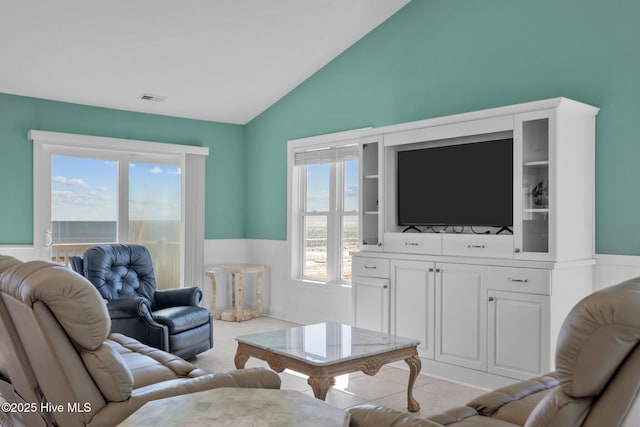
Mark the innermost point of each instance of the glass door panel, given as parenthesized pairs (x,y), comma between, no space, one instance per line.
(155,216)
(535,185)
(83,205)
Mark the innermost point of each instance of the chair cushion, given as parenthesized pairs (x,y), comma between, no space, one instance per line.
(180,319)
(109,371)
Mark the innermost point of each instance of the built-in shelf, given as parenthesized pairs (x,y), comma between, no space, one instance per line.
(371,213)
(544,210)
(371,176)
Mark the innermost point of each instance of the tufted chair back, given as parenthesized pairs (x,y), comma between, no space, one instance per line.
(121,271)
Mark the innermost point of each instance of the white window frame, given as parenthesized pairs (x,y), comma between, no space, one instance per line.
(296,190)
(190,158)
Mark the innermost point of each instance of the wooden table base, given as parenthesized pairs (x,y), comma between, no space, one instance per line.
(321,377)
(237,312)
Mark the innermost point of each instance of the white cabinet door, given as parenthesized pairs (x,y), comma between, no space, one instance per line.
(412,302)
(371,303)
(518,334)
(461,315)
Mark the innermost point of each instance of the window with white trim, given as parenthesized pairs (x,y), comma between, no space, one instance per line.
(90,189)
(323,206)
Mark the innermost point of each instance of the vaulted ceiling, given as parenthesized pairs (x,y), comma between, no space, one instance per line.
(218,60)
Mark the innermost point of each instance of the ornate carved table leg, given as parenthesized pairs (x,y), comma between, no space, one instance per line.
(240,358)
(320,384)
(414,369)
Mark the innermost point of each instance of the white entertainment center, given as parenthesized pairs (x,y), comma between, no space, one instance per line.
(486,307)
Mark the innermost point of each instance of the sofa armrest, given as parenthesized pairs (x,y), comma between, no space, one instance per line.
(489,403)
(373,415)
(177,297)
(124,308)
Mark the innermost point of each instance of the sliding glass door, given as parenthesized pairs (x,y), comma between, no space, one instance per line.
(155,216)
(99,197)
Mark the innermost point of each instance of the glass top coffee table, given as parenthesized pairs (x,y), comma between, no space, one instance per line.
(326,350)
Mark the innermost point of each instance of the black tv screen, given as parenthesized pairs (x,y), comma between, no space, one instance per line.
(466,184)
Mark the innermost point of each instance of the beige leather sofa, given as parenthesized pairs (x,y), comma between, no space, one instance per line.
(596,382)
(60,366)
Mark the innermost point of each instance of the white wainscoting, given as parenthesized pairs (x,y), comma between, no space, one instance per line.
(612,269)
(311,303)
(283,298)
(22,252)
(307,303)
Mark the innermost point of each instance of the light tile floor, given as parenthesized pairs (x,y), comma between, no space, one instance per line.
(388,387)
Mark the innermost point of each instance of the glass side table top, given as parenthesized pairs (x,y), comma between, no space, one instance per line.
(326,343)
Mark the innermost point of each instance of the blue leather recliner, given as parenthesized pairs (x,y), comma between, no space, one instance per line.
(170,319)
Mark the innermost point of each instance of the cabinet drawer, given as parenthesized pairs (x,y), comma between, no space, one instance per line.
(413,243)
(478,245)
(370,267)
(528,280)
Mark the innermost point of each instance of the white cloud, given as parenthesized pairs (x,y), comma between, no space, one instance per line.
(74,182)
(67,194)
(176,171)
(155,170)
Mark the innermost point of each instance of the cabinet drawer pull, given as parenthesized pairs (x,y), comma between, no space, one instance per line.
(411,244)
(517,280)
(370,267)
(491,299)
(385,287)
(475,246)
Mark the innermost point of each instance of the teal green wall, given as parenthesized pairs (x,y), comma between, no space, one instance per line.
(439,57)
(225,164)
(434,57)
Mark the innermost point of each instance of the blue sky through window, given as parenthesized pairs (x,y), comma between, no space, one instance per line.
(318,187)
(85,189)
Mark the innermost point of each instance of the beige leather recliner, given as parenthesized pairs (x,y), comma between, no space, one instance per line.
(596,382)
(60,358)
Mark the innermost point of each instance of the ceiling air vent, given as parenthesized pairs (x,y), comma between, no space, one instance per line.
(149,97)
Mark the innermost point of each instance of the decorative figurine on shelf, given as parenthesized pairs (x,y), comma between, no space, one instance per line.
(540,194)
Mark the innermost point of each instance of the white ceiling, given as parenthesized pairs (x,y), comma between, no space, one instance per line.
(218,60)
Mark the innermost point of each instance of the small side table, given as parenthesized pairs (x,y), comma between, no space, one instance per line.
(236,312)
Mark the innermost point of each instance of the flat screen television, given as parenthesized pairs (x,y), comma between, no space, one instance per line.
(456,185)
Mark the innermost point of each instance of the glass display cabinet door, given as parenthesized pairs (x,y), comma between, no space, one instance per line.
(371,185)
(533,183)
